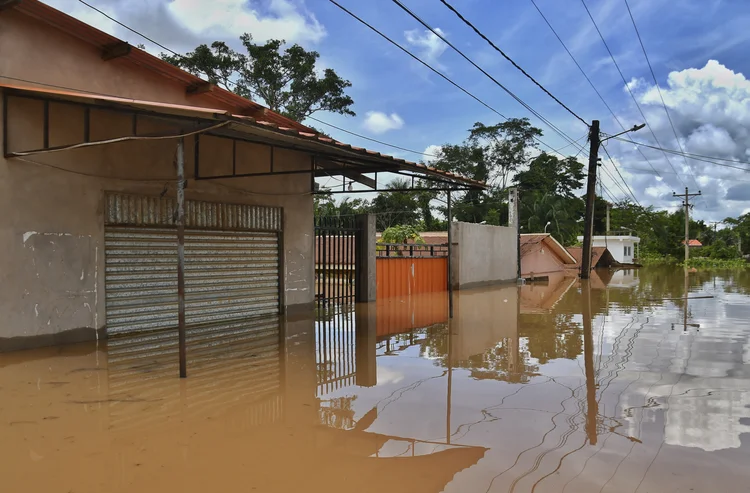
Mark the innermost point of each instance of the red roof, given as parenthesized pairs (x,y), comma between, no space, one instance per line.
(247,112)
(693,243)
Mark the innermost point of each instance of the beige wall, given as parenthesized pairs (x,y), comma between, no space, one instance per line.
(482,318)
(541,261)
(483,255)
(51,230)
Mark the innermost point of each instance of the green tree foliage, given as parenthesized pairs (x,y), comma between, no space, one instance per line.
(396,207)
(284,78)
(401,234)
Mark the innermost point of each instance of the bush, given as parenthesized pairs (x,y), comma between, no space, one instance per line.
(715,263)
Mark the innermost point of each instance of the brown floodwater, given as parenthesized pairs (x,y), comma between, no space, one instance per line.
(617,385)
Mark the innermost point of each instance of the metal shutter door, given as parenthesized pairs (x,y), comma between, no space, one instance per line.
(230,275)
(140,278)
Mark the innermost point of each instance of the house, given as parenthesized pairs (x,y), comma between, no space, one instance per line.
(693,243)
(543,256)
(622,247)
(600,257)
(101,141)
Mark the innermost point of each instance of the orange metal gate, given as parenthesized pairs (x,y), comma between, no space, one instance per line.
(407,270)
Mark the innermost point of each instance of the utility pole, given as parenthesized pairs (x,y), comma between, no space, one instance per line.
(514,221)
(686,203)
(588,223)
(609,207)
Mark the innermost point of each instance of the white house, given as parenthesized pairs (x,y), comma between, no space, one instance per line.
(622,247)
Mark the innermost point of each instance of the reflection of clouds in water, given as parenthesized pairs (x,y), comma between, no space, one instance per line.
(387,375)
(708,418)
(702,400)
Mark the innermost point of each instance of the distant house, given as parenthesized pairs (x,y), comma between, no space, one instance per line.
(601,257)
(622,247)
(544,256)
(693,243)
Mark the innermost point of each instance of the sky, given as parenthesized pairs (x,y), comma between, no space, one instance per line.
(697,49)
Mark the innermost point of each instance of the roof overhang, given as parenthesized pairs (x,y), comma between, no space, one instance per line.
(331,157)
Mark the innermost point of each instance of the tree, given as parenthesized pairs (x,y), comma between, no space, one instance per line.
(506,147)
(285,80)
(397,207)
(548,174)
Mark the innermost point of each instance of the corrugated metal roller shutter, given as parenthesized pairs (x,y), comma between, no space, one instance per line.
(231,273)
(141,278)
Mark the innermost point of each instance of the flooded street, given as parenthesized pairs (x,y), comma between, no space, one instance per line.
(618,385)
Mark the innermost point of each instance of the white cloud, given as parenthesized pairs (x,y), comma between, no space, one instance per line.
(282,19)
(378,122)
(710,110)
(429,45)
(433,151)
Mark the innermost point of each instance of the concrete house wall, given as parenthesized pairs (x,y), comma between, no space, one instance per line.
(483,255)
(616,246)
(52,227)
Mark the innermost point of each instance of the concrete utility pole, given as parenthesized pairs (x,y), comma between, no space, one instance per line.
(609,207)
(588,223)
(686,203)
(514,221)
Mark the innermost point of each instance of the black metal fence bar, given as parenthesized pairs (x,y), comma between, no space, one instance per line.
(335,259)
(399,250)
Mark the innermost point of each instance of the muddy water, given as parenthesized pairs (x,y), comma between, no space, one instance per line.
(620,385)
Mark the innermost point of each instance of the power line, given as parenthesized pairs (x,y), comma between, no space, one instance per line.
(480,34)
(588,79)
(620,174)
(627,86)
(431,68)
(691,155)
(370,139)
(658,89)
(694,156)
(499,84)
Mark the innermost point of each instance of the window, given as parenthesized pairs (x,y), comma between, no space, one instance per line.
(628,251)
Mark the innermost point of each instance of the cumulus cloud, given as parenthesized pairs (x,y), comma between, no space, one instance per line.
(740,192)
(429,46)
(281,19)
(378,122)
(432,152)
(710,110)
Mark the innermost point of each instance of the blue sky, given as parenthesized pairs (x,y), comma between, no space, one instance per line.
(698,49)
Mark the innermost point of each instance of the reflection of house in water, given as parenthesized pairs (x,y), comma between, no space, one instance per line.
(261,375)
(624,278)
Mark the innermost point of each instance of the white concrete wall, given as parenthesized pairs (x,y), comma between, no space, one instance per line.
(616,246)
(52,226)
(483,255)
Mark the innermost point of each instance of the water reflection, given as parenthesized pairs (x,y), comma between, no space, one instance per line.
(561,386)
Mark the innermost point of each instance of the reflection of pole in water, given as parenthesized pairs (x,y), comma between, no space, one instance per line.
(685,298)
(450,385)
(588,351)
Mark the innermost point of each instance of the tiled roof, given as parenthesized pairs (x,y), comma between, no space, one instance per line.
(693,243)
(245,112)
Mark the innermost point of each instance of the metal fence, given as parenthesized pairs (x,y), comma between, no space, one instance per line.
(335,259)
(411,250)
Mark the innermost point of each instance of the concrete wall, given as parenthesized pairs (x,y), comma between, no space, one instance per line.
(52,227)
(482,318)
(483,255)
